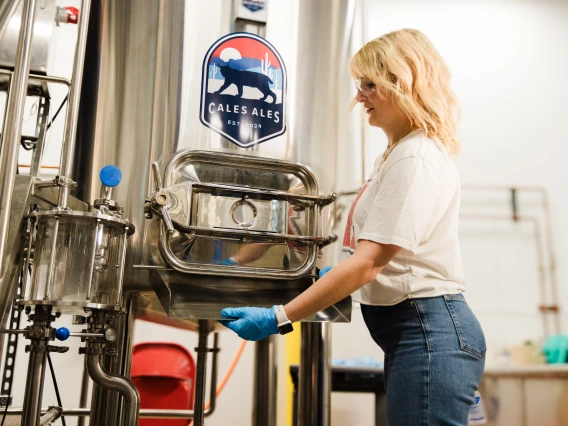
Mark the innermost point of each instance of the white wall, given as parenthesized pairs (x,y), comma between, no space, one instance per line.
(509,71)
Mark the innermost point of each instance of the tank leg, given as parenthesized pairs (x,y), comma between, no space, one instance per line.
(265,384)
(199,402)
(40,333)
(314,393)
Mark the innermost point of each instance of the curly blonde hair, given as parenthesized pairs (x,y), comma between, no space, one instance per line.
(406,63)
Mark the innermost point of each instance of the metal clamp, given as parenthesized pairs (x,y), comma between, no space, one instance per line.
(160,199)
(65,181)
(37,331)
(327,241)
(109,207)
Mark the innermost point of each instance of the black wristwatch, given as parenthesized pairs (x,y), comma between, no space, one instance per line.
(284,324)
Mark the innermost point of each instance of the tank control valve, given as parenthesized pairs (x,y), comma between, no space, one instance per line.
(63,334)
(110,177)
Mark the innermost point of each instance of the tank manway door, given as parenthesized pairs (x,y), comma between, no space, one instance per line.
(235,215)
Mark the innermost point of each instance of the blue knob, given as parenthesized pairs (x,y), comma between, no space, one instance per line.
(62,333)
(110,176)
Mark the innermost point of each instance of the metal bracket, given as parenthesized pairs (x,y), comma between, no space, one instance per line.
(5,401)
(79,319)
(39,349)
(90,350)
(58,349)
(41,130)
(11,349)
(207,350)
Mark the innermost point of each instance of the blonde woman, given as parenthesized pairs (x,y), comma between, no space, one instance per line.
(406,268)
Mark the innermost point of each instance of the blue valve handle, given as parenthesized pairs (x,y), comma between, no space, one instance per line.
(62,333)
(110,176)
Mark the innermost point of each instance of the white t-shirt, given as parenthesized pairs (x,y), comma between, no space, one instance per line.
(411,200)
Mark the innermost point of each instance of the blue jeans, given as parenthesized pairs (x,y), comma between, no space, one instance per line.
(434,358)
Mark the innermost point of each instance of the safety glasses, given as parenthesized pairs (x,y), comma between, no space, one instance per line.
(366,87)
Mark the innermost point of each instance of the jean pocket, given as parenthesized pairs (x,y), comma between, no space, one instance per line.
(469,331)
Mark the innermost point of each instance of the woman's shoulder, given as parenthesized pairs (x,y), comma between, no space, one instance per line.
(418,144)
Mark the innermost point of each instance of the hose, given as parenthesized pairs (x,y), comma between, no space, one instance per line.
(227,374)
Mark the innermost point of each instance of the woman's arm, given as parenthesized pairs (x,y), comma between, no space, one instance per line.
(365,264)
(369,259)
(250,252)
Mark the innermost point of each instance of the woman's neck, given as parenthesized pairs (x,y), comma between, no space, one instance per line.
(395,134)
(401,127)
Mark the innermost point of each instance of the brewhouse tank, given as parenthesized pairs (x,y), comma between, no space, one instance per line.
(141,99)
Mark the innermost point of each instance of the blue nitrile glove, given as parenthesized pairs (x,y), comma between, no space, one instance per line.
(325,270)
(250,323)
(228,261)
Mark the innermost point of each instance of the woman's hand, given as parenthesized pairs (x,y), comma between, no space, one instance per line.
(250,323)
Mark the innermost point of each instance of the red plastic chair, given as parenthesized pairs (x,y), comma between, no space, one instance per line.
(164,374)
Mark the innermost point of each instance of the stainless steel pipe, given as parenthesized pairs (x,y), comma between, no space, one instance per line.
(106,404)
(120,384)
(53,413)
(34,384)
(147,413)
(46,78)
(74,97)
(84,394)
(214,369)
(200,374)
(9,149)
(265,383)
(314,390)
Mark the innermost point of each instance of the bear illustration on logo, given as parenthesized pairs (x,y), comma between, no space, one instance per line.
(243,89)
(246,78)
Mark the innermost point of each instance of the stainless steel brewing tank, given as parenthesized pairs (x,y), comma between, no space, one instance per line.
(10,18)
(141,94)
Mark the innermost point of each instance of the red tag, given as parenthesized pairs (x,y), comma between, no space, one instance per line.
(72,15)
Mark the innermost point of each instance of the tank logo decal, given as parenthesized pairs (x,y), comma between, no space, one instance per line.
(254,5)
(243,89)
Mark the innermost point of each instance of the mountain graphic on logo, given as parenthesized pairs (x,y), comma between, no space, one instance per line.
(231,57)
